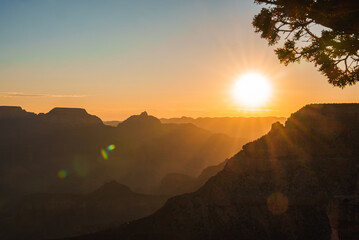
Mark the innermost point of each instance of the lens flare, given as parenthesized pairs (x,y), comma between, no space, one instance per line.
(62,173)
(111,147)
(104,154)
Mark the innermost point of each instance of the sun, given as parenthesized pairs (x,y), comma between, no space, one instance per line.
(251,90)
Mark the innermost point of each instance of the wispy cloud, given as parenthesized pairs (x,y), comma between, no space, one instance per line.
(22,94)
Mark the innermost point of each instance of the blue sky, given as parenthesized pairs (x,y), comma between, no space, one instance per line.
(117,58)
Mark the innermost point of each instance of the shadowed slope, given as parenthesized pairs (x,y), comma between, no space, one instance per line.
(277,187)
(35,149)
(43,216)
(175,184)
(159,149)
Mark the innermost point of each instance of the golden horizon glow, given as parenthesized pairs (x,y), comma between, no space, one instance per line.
(251,90)
(174,60)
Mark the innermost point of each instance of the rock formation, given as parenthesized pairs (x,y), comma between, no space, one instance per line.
(36,148)
(277,187)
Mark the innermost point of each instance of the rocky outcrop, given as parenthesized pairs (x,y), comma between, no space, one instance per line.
(71,117)
(277,187)
(11,112)
(142,121)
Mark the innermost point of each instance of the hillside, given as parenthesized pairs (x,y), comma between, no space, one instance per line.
(156,149)
(69,150)
(249,128)
(175,184)
(44,216)
(277,187)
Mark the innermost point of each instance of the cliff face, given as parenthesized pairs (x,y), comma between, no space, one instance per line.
(277,187)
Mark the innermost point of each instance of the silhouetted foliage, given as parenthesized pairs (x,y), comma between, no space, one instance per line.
(334,49)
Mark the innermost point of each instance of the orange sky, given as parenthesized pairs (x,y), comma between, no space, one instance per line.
(169,59)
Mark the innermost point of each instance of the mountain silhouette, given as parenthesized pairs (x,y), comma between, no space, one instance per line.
(175,184)
(141,121)
(44,216)
(113,188)
(140,128)
(249,128)
(278,187)
(72,117)
(157,149)
(246,128)
(66,150)
(10,112)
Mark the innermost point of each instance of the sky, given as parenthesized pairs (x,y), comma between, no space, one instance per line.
(116,58)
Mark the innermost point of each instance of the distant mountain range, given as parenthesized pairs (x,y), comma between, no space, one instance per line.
(69,150)
(175,183)
(49,161)
(249,128)
(281,186)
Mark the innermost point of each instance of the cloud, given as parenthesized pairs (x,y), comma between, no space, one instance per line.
(21,94)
